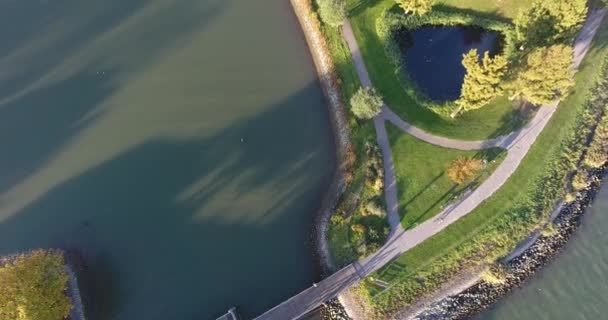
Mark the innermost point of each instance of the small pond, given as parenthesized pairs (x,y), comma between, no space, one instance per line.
(433,57)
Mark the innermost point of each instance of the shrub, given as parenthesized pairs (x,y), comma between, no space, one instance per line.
(416,7)
(337,219)
(580,180)
(546,75)
(358,228)
(32,287)
(366,103)
(464,169)
(332,12)
(372,209)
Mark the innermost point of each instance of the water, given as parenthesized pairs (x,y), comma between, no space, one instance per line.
(182,147)
(433,57)
(574,285)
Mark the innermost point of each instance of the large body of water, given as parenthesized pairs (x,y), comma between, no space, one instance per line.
(433,57)
(182,147)
(574,285)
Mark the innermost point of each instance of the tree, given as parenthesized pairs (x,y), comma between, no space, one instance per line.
(482,82)
(332,12)
(416,7)
(464,169)
(546,75)
(547,22)
(366,103)
(32,287)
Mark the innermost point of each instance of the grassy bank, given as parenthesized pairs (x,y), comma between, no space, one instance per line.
(520,206)
(497,118)
(423,185)
(358,226)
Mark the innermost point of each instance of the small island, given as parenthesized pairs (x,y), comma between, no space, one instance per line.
(39,285)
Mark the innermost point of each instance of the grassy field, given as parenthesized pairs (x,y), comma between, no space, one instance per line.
(494,228)
(497,118)
(423,185)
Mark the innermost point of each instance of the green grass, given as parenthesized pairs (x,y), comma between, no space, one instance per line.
(498,118)
(522,204)
(423,185)
(340,246)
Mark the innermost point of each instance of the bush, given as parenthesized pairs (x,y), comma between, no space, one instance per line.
(580,180)
(32,287)
(366,103)
(416,7)
(358,228)
(337,219)
(372,209)
(332,12)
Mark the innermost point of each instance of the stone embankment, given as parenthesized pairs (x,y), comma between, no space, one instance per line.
(74,268)
(333,310)
(321,57)
(482,295)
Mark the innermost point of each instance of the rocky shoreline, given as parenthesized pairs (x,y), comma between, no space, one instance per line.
(337,115)
(482,295)
(74,268)
(520,268)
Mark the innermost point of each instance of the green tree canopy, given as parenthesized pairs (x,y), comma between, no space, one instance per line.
(366,103)
(546,75)
(416,7)
(482,82)
(32,287)
(332,12)
(547,22)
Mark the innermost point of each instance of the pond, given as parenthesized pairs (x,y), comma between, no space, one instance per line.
(181,147)
(433,57)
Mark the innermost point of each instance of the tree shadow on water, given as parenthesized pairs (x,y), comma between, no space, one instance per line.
(46,98)
(155,231)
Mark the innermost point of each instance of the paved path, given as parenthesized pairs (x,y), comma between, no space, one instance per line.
(400,240)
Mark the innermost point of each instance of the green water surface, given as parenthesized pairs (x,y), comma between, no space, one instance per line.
(180,147)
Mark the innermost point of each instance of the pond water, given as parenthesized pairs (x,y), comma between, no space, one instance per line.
(433,57)
(573,286)
(181,147)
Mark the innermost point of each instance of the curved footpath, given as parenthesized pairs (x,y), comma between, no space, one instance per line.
(400,241)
